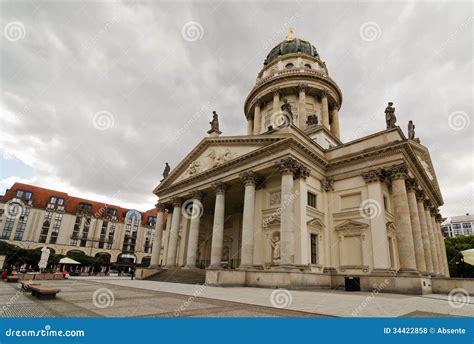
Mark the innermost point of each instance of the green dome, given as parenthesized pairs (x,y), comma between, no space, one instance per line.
(295,45)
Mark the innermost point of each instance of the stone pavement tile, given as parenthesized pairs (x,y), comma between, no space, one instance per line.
(115,312)
(25,311)
(239,313)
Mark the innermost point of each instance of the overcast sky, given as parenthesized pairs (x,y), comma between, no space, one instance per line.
(97,96)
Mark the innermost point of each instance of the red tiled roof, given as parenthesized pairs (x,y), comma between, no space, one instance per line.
(41,197)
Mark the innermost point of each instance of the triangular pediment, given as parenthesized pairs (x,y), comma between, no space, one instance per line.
(315,223)
(351,225)
(212,153)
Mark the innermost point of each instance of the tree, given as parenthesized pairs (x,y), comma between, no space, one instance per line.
(454,246)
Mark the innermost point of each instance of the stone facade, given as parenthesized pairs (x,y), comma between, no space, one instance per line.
(291,197)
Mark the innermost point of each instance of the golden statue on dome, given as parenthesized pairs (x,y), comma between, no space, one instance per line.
(290,36)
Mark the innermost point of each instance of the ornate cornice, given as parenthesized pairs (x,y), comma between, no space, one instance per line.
(433,211)
(263,86)
(439,218)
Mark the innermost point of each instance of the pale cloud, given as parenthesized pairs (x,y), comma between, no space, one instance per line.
(131,60)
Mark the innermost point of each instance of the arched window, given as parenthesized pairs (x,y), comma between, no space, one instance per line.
(307,65)
(289,65)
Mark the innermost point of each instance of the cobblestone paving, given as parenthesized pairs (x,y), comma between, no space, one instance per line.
(82,298)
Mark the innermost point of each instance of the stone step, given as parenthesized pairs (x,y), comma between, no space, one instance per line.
(180,275)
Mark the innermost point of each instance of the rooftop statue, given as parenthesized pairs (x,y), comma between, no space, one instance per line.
(166,172)
(411,130)
(390,117)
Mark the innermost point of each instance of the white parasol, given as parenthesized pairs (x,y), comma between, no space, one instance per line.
(44,258)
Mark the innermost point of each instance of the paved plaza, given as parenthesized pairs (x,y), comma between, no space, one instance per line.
(120,297)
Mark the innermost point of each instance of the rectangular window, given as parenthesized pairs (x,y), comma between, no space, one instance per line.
(311,200)
(60,201)
(28,195)
(19,193)
(466,225)
(314,249)
(53,200)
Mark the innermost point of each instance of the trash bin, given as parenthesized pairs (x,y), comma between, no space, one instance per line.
(352,283)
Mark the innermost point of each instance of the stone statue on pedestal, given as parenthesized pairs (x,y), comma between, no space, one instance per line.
(214,124)
(390,117)
(411,130)
(286,107)
(276,249)
(167,170)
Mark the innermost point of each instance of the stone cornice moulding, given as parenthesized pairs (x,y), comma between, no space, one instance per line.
(413,164)
(251,156)
(265,86)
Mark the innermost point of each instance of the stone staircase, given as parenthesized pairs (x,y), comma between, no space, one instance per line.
(180,275)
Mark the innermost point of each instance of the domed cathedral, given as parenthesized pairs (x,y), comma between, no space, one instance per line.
(293,76)
(290,205)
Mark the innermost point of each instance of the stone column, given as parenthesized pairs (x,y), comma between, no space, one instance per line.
(302,253)
(276,101)
(302,105)
(218,226)
(434,250)
(424,232)
(406,249)
(156,250)
(257,118)
(444,255)
(287,168)
(248,222)
(197,211)
(415,225)
(324,109)
(380,248)
(174,232)
(434,212)
(250,125)
(335,122)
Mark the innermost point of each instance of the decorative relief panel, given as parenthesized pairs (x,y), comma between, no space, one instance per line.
(275,198)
